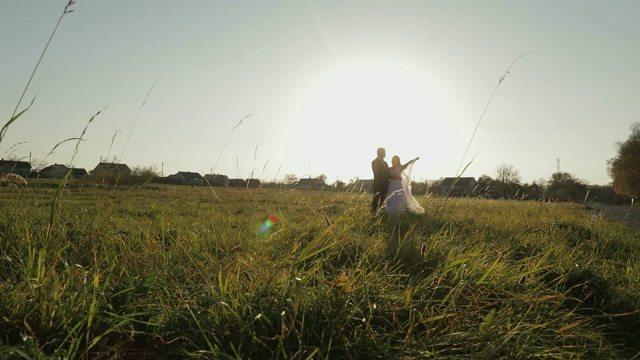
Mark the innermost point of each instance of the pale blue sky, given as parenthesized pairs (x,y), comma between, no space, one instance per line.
(326,83)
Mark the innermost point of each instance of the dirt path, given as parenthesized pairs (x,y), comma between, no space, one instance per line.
(625,214)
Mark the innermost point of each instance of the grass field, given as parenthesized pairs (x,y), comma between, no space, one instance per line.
(165,272)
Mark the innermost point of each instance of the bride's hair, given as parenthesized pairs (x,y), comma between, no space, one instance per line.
(395,161)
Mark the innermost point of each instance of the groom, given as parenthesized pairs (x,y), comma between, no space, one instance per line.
(380,180)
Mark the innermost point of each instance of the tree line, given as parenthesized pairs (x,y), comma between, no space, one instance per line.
(624,168)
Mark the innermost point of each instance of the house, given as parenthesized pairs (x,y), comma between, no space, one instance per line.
(493,190)
(534,192)
(496,189)
(55,171)
(310,184)
(362,186)
(237,183)
(253,183)
(79,173)
(110,169)
(458,186)
(21,168)
(216,180)
(186,178)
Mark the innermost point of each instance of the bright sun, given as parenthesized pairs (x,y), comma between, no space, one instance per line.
(360,106)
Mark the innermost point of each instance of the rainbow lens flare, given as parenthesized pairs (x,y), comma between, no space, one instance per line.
(265,228)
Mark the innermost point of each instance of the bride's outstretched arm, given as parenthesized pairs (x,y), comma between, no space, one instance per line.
(410,162)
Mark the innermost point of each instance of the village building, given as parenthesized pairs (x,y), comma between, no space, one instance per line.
(55,171)
(534,192)
(216,180)
(458,186)
(493,190)
(362,186)
(237,183)
(186,178)
(310,184)
(110,169)
(21,168)
(253,183)
(79,173)
(497,190)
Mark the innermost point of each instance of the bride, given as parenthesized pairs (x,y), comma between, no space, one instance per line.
(399,198)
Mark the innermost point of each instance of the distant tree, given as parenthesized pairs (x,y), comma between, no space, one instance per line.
(37,165)
(436,183)
(484,183)
(507,174)
(510,179)
(339,185)
(484,180)
(322,177)
(565,187)
(290,179)
(435,186)
(419,187)
(142,174)
(146,172)
(624,169)
(542,182)
(606,195)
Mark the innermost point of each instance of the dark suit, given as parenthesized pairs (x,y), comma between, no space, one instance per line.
(380,182)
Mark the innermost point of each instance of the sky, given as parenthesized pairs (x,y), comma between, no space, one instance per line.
(262,89)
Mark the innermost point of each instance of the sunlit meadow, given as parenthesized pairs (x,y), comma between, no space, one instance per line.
(164,272)
(95,271)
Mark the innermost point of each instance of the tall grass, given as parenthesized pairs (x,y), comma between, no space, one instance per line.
(16,114)
(224,146)
(56,198)
(160,273)
(135,120)
(484,111)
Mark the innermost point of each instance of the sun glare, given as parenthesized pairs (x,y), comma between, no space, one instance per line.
(362,105)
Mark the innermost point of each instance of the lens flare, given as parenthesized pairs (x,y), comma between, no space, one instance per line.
(265,228)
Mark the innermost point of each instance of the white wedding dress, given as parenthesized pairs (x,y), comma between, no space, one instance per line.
(399,198)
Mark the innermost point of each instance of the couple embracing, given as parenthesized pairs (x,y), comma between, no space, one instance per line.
(392,186)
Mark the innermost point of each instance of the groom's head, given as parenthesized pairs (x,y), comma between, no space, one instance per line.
(381,153)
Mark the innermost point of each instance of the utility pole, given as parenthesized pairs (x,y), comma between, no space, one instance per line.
(504,184)
(557,165)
